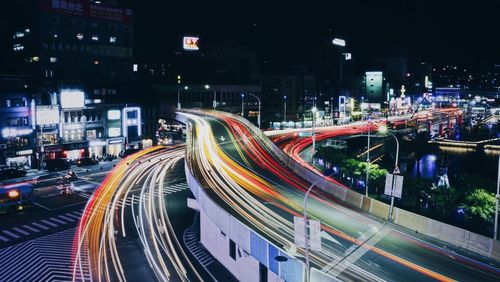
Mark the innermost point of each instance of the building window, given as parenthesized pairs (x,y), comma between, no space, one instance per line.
(53,59)
(232,249)
(91,134)
(79,36)
(18,47)
(95,38)
(112,39)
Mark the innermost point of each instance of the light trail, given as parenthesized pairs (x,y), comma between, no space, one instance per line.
(240,186)
(104,218)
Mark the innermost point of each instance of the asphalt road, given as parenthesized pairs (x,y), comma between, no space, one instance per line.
(36,244)
(51,211)
(356,246)
(137,226)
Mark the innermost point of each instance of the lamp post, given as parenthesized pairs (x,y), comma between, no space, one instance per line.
(284,108)
(313,135)
(215,95)
(497,196)
(306,237)
(42,149)
(368,159)
(383,129)
(242,104)
(179,96)
(331,109)
(258,117)
(341,43)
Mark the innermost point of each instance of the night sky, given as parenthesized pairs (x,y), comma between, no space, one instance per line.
(288,32)
(442,31)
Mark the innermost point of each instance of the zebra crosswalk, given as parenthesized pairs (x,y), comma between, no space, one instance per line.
(30,229)
(47,258)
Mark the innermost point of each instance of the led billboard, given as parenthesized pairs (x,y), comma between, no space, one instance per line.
(72,99)
(190,43)
(46,115)
(114,114)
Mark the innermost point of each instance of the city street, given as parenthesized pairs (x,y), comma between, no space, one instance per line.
(47,228)
(262,141)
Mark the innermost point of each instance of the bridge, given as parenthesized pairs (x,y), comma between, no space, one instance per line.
(247,192)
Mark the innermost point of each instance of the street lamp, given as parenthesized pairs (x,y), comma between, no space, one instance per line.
(341,43)
(306,237)
(42,149)
(331,109)
(368,159)
(242,104)
(313,110)
(179,96)
(383,129)
(284,108)
(215,95)
(258,117)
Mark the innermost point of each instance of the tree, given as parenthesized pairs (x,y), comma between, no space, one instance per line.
(330,155)
(445,200)
(480,204)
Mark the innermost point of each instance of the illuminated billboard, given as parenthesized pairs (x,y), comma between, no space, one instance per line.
(114,132)
(190,43)
(72,99)
(46,115)
(370,106)
(114,114)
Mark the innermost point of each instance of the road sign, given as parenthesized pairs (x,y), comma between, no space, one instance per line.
(388,184)
(398,186)
(298,231)
(397,171)
(397,181)
(315,234)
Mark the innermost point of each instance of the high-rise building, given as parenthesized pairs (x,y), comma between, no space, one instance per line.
(76,42)
(296,91)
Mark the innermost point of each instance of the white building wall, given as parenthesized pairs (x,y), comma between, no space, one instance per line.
(245,268)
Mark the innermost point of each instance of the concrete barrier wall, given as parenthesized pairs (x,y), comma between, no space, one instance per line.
(367,202)
(439,230)
(380,209)
(353,198)
(411,221)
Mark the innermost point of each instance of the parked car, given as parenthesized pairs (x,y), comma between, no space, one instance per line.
(8,173)
(86,161)
(57,164)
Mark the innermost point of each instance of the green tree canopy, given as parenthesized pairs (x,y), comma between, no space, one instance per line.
(480,204)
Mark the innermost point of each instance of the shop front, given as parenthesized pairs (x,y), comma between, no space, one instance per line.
(22,159)
(115,146)
(97,148)
(75,151)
